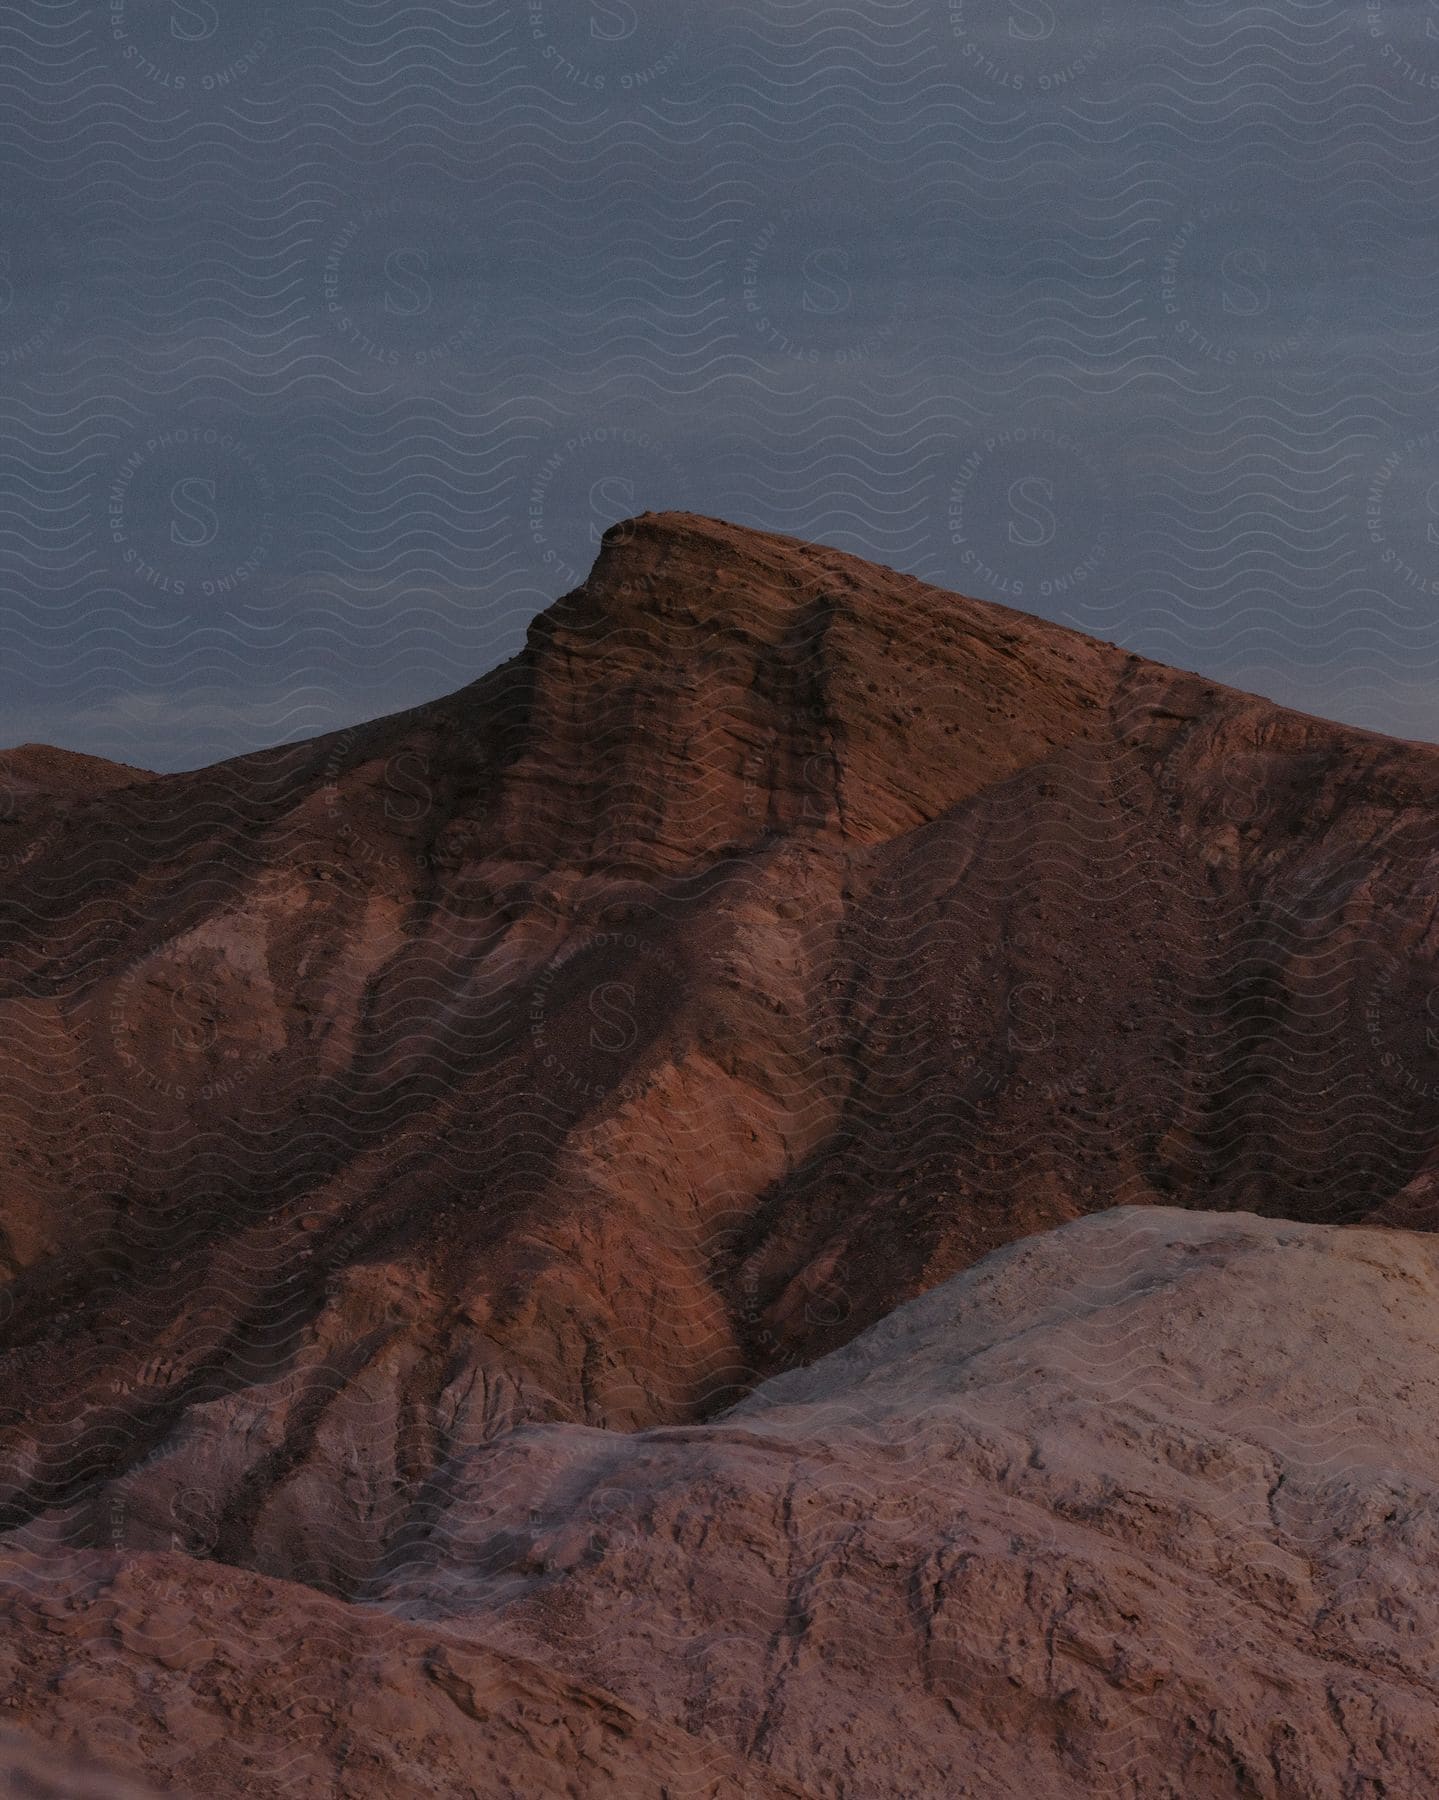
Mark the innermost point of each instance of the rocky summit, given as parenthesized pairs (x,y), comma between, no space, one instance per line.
(760,1202)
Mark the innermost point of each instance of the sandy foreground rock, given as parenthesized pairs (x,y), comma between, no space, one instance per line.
(1144,1506)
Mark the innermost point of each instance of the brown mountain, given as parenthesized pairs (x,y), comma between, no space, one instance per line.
(771,940)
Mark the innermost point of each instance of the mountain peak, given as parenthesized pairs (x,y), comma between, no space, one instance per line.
(771,940)
(706,664)
(660,564)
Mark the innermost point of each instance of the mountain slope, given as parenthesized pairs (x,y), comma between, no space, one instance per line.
(771,939)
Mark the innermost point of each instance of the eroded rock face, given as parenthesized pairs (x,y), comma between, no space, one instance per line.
(772,938)
(217,1682)
(1143,1507)
(768,942)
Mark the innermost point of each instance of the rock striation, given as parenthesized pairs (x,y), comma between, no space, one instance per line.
(768,943)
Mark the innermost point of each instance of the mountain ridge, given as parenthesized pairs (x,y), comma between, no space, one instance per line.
(631,556)
(770,941)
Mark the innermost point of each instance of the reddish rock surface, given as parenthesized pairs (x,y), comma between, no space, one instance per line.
(1143,1507)
(769,941)
(214,1681)
(33,1770)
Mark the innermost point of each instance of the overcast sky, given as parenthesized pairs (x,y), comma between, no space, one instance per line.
(331,336)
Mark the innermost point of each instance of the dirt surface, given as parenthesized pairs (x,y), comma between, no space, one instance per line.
(31,1769)
(771,940)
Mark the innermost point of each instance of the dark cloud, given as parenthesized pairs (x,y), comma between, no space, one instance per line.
(331,337)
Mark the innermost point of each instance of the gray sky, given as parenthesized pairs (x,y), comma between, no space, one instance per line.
(332,336)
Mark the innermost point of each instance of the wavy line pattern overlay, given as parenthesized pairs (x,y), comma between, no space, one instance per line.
(509,1239)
